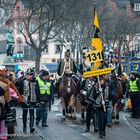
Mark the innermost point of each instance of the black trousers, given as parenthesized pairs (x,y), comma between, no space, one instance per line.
(102,120)
(24,116)
(135,101)
(91,114)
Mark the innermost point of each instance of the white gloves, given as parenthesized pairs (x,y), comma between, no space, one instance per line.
(84,93)
(100,89)
(103,102)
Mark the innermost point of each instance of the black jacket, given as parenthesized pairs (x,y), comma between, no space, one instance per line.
(59,67)
(20,84)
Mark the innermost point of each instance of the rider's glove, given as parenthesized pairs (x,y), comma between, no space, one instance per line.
(38,105)
(103,102)
(100,89)
(83,92)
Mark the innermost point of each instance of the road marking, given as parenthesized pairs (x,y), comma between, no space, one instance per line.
(55,105)
(58,114)
(55,108)
(89,136)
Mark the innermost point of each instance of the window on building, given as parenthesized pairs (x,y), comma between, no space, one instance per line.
(29,53)
(20,46)
(58,49)
(46,50)
(19,28)
(137,7)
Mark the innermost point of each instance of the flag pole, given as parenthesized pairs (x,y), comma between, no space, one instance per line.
(94,7)
(98,78)
(101,92)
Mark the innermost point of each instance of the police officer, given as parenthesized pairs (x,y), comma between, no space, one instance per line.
(45,91)
(134,93)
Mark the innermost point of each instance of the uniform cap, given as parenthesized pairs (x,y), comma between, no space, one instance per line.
(30,71)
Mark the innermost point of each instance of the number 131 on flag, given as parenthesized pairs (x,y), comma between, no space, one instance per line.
(94,56)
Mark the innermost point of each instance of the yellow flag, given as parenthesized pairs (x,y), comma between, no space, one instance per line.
(96,41)
(97,45)
(96,21)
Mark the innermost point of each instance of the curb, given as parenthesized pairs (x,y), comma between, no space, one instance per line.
(132,124)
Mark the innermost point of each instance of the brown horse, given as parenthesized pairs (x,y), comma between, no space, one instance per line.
(116,100)
(68,91)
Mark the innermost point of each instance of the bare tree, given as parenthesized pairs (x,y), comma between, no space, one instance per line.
(118,28)
(78,27)
(41,19)
(6,7)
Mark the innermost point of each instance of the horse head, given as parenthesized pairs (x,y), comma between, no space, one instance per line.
(67,81)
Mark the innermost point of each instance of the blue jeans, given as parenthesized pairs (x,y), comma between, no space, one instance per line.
(109,113)
(42,113)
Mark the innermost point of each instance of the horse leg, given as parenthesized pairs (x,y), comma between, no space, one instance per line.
(113,110)
(117,117)
(113,114)
(72,106)
(117,113)
(83,114)
(63,106)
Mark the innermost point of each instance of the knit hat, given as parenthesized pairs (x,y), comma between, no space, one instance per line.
(44,73)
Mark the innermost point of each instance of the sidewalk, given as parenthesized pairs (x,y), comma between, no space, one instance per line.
(133,122)
(19,135)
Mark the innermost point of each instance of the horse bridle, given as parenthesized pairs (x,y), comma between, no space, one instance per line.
(68,77)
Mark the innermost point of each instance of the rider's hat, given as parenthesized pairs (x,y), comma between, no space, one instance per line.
(67,53)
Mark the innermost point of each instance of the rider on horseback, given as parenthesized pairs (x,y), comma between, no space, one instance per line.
(67,65)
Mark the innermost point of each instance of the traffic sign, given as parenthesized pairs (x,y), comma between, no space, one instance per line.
(97,72)
(94,56)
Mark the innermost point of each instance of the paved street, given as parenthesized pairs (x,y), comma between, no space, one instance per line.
(73,130)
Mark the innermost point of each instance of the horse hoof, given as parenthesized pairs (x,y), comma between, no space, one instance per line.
(113,117)
(69,117)
(73,118)
(116,122)
(83,120)
(63,118)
